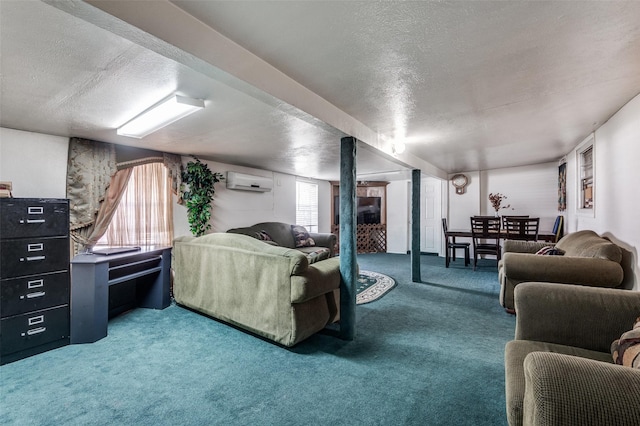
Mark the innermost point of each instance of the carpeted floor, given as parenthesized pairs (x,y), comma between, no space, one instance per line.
(427,353)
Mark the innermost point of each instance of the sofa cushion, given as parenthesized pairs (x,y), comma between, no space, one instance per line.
(318,279)
(301,237)
(515,353)
(626,349)
(589,244)
(315,254)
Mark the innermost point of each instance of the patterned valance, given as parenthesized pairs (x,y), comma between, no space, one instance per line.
(95,180)
(90,167)
(127,156)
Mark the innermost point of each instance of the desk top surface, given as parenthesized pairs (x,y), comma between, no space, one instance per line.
(100,258)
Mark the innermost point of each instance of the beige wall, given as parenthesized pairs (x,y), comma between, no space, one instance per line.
(617,174)
(36,164)
(233,208)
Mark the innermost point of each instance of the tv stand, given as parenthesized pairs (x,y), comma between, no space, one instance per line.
(93,274)
(371,228)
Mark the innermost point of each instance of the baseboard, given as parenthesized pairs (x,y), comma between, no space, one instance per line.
(424,253)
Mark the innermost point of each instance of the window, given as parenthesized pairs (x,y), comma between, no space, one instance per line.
(145,213)
(586,177)
(307,205)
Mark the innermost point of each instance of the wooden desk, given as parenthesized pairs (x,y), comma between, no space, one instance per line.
(91,276)
(548,236)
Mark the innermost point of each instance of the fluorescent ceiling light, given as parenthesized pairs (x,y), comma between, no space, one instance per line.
(162,114)
(398,148)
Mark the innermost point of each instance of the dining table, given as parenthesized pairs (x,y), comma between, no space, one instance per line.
(547,236)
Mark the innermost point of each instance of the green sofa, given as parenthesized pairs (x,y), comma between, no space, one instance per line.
(281,234)
(269,290)
(559,370)
(588,260)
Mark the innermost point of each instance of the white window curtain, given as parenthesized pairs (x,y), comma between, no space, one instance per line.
(144,215)
(307,205)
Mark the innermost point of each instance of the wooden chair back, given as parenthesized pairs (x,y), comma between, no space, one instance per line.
(485,232)
(558,228)
(504,219)
(517,228)
(445,228)
(485,227)
(452,245)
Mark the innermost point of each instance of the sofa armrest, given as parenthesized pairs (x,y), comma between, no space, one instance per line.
(567,390)
(327,240)
(562,269)
(519,246)
(585,317)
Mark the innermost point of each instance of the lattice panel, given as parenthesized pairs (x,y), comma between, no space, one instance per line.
(370,238)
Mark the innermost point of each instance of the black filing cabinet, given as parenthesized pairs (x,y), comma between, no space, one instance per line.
(34,276)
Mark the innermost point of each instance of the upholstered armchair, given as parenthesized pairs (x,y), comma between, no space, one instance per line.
(560,368)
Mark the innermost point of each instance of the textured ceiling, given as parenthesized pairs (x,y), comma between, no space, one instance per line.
(466,85)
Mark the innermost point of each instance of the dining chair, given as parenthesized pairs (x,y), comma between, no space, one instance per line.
(517,228)
(504,219)
(452,246)
(485,233)
(558,228)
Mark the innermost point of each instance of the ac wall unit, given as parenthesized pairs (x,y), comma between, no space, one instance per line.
(243,182)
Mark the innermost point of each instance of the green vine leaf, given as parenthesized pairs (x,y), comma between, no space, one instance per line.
(201,181)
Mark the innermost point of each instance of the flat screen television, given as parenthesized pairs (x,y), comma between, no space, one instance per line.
(368,210)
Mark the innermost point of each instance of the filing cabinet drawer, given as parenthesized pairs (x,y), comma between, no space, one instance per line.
(31,256)
(32,329)
(30,217)
(32,293)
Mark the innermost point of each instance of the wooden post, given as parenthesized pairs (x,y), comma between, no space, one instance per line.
(348,250)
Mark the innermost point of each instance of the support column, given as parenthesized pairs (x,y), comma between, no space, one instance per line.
(348,250)
(415,226)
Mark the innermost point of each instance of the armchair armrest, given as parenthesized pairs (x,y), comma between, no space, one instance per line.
(585,317)
(562,269)
(325,240)
(567,390)
(519,246)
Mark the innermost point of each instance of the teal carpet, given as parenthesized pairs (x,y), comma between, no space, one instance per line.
(425,354)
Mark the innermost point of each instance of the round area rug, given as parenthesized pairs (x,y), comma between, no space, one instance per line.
(372,286)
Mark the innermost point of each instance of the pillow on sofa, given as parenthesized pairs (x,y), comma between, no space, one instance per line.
(626,350)
(301,236)
(263,236)
(550,251)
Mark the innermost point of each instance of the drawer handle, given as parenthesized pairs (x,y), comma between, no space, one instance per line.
(34,295)
(35,247)
(36,320)
(29,221)
(32,258)
(35,283)
(35,331)
(35,210)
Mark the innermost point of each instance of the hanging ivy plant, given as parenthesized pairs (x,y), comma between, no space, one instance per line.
(198,198)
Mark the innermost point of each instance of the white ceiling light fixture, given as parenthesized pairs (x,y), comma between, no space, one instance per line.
(160,115)
(398,148)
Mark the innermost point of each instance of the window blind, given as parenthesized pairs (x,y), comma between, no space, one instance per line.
(307,205)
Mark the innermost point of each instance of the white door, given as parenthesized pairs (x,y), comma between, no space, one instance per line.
(431,238)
